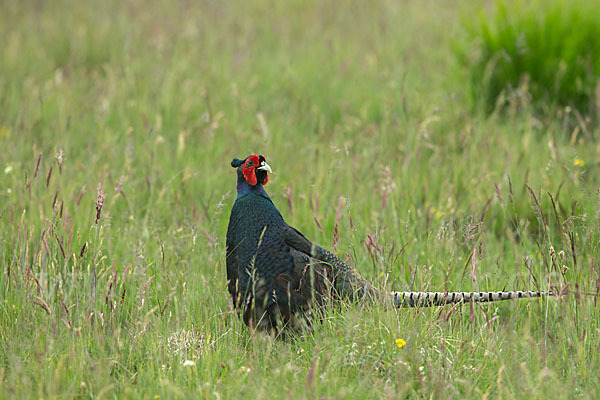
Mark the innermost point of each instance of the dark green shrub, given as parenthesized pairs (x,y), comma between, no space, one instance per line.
(552,48)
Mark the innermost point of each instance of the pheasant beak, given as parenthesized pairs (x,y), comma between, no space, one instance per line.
(264,167)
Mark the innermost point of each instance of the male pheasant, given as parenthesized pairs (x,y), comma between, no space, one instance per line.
(277,277)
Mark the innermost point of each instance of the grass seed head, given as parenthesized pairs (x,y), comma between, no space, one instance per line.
(99,203)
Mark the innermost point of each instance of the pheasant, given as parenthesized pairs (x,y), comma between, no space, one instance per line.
(277,278)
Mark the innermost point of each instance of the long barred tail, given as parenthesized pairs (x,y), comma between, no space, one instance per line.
(348,282)
(431,299)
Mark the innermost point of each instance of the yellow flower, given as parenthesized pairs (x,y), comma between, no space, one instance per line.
(578,162)
(400,343)
(156,396)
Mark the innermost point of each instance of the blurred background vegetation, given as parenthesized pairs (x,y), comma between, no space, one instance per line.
(545,51)
(461,137)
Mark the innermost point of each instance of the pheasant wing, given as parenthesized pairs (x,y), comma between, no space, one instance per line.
(347,282)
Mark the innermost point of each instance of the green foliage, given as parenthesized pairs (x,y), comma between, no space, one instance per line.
(152,100)
(548,50)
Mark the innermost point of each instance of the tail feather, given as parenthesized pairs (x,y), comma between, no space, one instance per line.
(432,299)
(348,283)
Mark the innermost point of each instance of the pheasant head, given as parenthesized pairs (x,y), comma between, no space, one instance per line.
(253,171)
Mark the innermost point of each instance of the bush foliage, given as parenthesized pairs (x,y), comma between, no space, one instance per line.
(548,48)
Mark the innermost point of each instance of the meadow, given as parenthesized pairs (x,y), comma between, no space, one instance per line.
(118,121)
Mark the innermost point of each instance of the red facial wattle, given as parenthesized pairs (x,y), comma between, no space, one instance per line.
(251,163)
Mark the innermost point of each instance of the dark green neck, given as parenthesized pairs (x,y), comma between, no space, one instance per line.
(243,188)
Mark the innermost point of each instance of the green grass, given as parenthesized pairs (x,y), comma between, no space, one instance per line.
(539,51)
(153,100)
